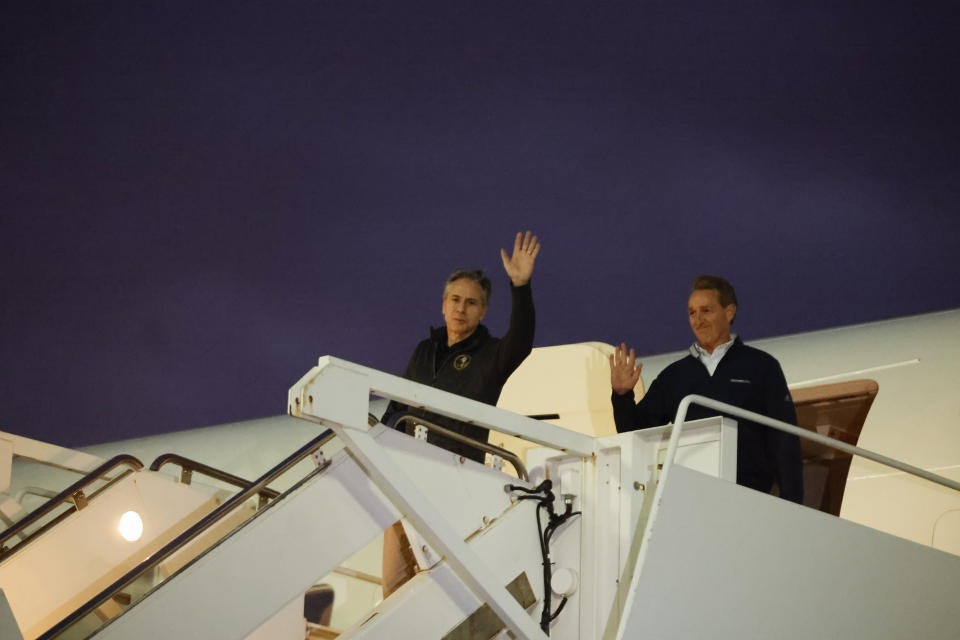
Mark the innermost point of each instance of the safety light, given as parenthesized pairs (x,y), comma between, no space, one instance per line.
(131,526)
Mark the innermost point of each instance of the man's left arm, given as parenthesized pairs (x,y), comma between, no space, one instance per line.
(782,447)
(517,343)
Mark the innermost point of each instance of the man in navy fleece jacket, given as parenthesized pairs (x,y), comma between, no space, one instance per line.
(720,367)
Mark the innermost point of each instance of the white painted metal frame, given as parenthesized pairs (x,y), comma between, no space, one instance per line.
(51,454)
(342,390)
(351,384)
(729,409)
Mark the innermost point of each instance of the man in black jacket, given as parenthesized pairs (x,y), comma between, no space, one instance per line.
(720,367)
(462,357)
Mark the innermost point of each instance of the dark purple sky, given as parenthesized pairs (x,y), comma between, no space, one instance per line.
(198,199)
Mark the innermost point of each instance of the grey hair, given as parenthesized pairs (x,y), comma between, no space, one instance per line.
(473,275)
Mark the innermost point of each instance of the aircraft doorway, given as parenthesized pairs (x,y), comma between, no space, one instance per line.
(838,411)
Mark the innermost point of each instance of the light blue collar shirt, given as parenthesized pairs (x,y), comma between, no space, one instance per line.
(711,360)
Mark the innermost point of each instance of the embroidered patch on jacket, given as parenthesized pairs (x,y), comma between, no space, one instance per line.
(461,362)
(740,380)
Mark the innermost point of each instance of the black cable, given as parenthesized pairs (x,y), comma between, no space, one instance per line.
(545,556)
(543,494)
(544,486)
(546,503)
(563,603)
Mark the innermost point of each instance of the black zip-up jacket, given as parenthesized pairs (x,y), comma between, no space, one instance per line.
(745,377)
(475,368)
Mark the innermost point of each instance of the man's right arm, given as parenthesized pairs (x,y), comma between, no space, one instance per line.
(651,411)
(624,375)
(624,411)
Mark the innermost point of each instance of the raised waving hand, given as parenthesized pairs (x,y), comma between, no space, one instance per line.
(624,371)
(519,266)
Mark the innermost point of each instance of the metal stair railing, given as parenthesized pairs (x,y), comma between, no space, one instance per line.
(188,467)
(486,447)
(729,409)
(253,488)
(74,492)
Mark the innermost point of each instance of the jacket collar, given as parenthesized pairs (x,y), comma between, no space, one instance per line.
(695,353)
(439,336)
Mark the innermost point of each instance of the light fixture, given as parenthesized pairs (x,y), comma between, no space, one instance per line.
(131,526)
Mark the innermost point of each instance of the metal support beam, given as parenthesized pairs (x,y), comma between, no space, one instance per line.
(390,479)
(322,392)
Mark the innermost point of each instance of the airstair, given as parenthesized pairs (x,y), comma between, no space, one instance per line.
(639,535)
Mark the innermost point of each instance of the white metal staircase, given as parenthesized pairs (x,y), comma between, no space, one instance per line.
(687,555)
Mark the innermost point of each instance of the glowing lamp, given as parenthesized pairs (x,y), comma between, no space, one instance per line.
(131,526)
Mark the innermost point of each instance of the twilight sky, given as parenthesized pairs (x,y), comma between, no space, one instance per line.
(198,199)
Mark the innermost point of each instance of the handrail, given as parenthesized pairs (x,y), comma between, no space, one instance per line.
(797,431)
(729,409)
(486,447)
(73,491)
(190,534)
(186,464)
